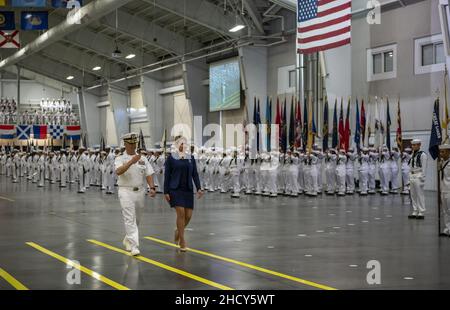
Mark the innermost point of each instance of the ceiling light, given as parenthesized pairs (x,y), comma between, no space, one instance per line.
(130,56)
(70,77)
(236,28)
(96,68)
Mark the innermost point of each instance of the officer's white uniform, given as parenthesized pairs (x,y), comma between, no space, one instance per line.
(292,162)
(445,191)
(83,166)
(109,172)
(330,171)
(132,189)
(340,172)
(385,171)
(63,167)
(406,156)
(418,164)
(373,160)
(350,171)
(364,167)
(395,156)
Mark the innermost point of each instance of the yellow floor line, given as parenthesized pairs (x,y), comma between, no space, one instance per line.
(7,199)
(233,261)
(87,271)
(161,265)
(11,280)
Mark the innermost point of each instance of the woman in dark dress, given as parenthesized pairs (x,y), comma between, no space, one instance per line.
(180,172)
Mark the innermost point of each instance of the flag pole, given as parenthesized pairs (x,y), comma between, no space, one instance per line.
(438,167)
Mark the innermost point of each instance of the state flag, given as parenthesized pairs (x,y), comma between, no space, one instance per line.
(7,20)
(23,132)
(40,131)
(66,3)
(34,20)
(9,39)
(29,3)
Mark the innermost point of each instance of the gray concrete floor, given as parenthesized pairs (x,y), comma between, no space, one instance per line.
(315,239)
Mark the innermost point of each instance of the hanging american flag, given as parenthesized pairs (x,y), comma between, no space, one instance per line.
(322,24)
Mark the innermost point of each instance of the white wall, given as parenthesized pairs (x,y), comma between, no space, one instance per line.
(119,102)
(153,102)
(90,116)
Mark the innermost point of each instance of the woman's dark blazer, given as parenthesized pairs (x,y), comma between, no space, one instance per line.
(172,174)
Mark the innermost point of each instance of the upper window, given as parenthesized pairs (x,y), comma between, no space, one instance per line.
(429,54)
(382,63)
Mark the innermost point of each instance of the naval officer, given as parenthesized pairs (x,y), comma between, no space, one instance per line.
(134,174)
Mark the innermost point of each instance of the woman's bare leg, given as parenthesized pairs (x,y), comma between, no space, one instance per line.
(187,216)
(181,224)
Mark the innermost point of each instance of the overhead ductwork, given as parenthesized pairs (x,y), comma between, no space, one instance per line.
(73,22)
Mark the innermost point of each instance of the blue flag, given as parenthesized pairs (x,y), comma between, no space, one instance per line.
(335,137)
(436,132)
(325,130)
(358,128)
(258,122)
(34,20)
(29,3)
(268,121)
(305,124)
(7,21)
(292,126)
(388,127)
(63,3)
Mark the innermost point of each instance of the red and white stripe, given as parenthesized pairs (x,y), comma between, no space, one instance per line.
(7,129)
(331,28)
(73,130)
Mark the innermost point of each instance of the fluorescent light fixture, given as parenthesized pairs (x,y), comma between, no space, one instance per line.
(130,56)
(96,68)
(236,28)
(70,77)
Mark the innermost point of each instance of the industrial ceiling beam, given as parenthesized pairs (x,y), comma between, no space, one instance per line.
(84,16)
(82,60)
(48,67)
(141,29)
(254,15)
(200,12)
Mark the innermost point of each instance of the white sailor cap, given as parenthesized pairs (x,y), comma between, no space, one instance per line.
(131,138)
(365,149)
(81,148)
(408,149)
(444,147)
(416,141)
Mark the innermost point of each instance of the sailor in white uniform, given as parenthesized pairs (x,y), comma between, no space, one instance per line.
(135,174)
(444,153)
(418,164)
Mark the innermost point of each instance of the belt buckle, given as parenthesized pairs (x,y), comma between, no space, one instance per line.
(135,189)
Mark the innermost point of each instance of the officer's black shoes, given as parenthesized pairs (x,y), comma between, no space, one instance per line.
(420,217)
(412,216)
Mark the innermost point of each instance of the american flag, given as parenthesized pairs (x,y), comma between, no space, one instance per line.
(322,24)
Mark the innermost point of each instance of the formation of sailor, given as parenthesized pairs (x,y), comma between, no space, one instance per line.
(234,171)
